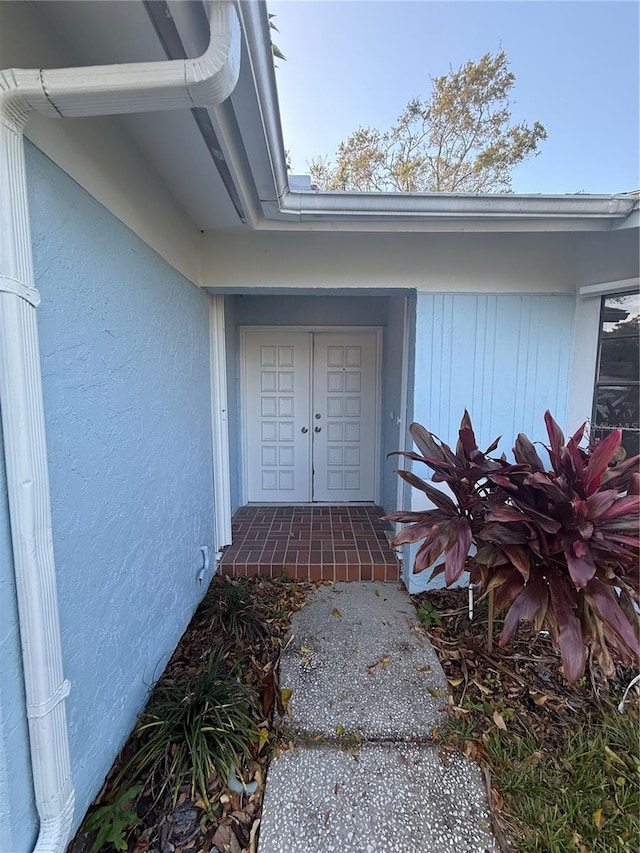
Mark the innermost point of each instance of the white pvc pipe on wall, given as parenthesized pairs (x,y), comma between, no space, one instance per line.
(100,90)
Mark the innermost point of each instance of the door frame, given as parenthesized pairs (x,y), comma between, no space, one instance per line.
(378,330)
(219,424)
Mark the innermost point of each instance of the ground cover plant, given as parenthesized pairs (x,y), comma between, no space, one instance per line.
(556,546)
(191,776)
(562,764)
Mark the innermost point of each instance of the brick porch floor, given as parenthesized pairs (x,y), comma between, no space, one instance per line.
(336,543)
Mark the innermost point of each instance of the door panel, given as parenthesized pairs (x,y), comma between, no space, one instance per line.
(310,403)
(344,416)
(277,405)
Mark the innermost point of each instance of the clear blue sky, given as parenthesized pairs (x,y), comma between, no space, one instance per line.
(358,63)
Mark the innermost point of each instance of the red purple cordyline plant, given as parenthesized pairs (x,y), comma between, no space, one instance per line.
(560,547)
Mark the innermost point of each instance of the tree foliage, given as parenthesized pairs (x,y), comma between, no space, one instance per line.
(460,139)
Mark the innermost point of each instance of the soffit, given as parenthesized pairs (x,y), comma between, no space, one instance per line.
(105,32)
(250,142)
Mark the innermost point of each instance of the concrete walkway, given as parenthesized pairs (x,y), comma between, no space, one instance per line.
(362,778)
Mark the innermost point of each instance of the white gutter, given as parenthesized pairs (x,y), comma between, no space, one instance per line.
(348,205)
(285,204)
(99,90)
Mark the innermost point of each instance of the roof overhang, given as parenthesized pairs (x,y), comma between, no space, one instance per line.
(226,165)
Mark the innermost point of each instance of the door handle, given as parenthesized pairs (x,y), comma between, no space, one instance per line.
(304,429)
(317,429)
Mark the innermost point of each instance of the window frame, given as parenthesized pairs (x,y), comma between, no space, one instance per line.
(598,432)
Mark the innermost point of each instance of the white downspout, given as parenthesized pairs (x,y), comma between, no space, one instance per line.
(100,90)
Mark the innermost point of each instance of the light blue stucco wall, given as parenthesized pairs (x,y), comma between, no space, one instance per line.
(504,357)
(125,363)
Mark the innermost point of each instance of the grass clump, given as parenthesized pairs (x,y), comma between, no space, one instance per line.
(234,611)
(582,796)
(195,728)
(576,791)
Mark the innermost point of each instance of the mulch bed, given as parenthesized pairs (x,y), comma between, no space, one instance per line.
(519,688)
(232,823)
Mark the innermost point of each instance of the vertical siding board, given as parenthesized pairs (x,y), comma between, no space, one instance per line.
(521,365)
(509,359)
(540,346)
(480,404)
(504,357)
(489,369)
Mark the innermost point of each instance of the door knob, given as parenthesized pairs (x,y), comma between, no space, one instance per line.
(317,429)
(304,429)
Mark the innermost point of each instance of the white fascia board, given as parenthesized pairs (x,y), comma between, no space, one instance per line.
(604,288)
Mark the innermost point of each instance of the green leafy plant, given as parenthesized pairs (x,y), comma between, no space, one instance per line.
(195,728)
(275,50)
(559,547)
(113,820)
(429,617)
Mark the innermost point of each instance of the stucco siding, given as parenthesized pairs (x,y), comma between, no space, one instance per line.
(506,358)
(125,362)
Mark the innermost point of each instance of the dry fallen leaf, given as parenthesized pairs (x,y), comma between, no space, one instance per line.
(497,799)
(285,696)
(577,840)
(538,698)
(335,612)
(481,687)
(598,819)
(498,719)
(252,836)
(263,738)
(614,755)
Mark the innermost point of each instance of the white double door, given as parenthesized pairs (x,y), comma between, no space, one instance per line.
(310,415)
